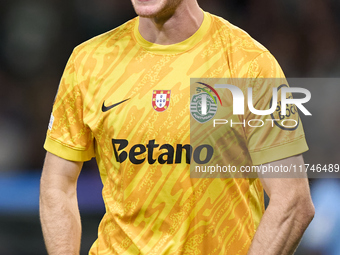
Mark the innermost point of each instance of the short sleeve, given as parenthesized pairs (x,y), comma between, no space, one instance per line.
(67,135)
(271,137)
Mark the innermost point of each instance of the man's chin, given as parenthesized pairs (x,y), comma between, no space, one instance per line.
(164,15)
(145,12)
(146,15)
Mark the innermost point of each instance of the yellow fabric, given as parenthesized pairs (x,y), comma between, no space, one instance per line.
(152,205)
(178,47)
(69,153)
(279,152)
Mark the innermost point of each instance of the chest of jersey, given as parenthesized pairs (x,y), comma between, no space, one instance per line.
(139,110)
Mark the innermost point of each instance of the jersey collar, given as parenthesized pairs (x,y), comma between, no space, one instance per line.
(177,47)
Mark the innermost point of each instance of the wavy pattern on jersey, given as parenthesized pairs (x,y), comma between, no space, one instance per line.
(157,208)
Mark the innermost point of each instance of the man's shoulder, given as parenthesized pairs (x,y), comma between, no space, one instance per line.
(235,37)
(108,39)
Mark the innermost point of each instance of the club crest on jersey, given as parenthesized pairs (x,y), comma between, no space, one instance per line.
(161,100)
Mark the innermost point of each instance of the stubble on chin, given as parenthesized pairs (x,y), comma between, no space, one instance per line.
(166,8)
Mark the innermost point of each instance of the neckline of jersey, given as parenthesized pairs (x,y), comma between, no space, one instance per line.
(176,48)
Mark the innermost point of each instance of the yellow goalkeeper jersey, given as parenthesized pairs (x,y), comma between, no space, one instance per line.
(126,101)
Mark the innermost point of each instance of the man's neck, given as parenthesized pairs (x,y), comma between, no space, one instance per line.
(174,27)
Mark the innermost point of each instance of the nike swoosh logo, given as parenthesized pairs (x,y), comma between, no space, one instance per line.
(106,108)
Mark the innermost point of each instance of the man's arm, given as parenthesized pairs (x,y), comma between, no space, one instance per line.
(289,212)
(59,213)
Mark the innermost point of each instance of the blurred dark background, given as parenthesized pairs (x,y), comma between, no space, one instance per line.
(36,39)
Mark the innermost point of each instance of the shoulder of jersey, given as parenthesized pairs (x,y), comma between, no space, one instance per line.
(108,38)
(235,34)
